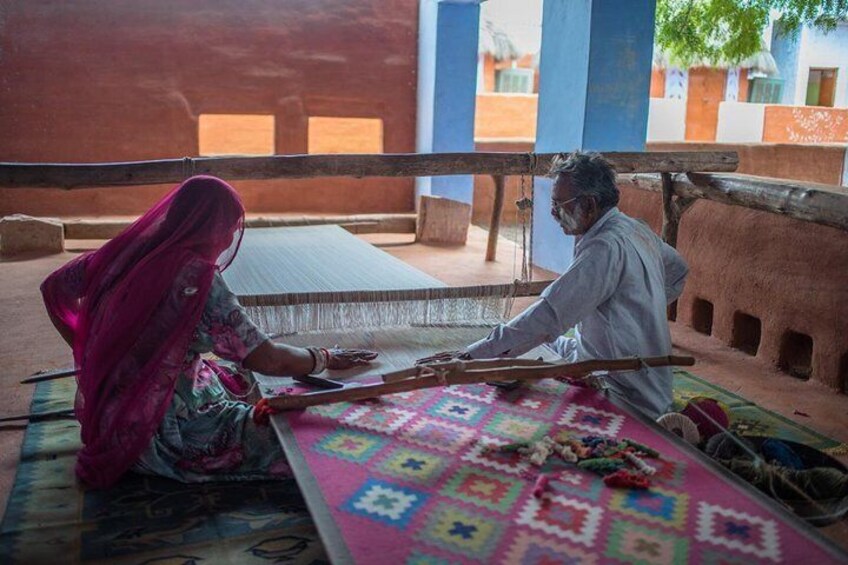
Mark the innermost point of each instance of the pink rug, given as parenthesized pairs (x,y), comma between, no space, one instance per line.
(407,480)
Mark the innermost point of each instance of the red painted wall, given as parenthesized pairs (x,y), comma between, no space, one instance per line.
(116,80)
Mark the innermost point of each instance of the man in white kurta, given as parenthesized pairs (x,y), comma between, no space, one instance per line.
(614,294)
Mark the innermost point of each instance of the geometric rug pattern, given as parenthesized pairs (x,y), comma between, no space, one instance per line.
(431,492)
(449,503)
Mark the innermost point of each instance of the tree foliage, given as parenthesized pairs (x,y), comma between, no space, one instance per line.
(692,32)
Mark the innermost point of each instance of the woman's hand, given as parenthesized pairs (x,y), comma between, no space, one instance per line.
(347,358)
(444,357)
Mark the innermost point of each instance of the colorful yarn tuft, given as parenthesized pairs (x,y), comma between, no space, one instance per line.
(262,412)
(602,465)
(624,478)
(710,416)
(540,486)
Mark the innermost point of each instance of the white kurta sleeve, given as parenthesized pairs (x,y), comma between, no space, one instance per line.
(534,326)
(590,281)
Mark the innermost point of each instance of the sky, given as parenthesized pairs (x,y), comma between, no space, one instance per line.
(520,19)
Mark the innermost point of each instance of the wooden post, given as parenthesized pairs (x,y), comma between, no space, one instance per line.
(495,224)
(673,208)
(671,220)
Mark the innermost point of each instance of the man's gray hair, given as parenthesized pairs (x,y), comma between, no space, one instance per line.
(590,174)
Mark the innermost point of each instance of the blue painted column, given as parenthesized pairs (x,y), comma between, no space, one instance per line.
(594,86)
(447,89)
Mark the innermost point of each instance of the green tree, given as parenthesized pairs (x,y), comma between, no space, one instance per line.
(692,32)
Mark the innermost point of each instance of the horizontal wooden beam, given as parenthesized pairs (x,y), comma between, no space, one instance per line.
(356,224)
(515,289)
(169,171)
(809,202)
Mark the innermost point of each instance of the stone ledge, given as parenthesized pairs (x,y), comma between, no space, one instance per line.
(20,234)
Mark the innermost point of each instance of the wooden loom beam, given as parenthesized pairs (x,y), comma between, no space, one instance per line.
(465,372)
(515,289)
(166,171)
(808,202)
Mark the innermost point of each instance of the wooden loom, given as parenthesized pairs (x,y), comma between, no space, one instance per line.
(283,281)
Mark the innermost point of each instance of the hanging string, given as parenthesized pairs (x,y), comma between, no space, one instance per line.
(522,209)
(532,206)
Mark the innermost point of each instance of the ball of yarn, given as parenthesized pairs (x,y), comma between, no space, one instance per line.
(680,425)
(726,446)
(709,415)
(776,452)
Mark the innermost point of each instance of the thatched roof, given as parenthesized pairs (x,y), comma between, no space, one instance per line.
(761,62)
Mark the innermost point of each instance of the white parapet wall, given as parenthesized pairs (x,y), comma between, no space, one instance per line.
(740,122)
(667,119)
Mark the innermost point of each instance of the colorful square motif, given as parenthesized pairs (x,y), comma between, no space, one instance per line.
(419,558)
(577,483)
(516,427)
(378,418)
(656,505)
(350,445)
(710,557)
(458,410)
(490,490)
(562,517)
(412,398)
(412,464)
(592,420)
(385,502)
(531,402)
(551,386)
(329,410)
(737,530)
(479,393)
(669,473)
(453,529)
(635,544)
(434,434)
(532,549)
(509,462)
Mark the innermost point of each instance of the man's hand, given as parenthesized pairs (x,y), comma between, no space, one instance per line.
(347,358)
(444,357)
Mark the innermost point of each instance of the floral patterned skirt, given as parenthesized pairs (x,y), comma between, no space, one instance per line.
(209,435)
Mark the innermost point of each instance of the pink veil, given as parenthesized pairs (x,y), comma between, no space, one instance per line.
(133,319)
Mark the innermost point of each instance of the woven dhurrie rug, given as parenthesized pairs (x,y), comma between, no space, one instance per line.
(407,479)
(50,519)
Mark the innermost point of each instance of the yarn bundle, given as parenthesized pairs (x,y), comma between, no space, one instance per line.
(710,416)
(620,462)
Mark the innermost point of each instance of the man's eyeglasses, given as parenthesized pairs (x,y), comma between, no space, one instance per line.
(557,207)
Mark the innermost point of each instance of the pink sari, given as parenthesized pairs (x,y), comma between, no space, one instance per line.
(141,298)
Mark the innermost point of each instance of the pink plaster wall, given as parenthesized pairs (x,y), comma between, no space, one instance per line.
(107,80)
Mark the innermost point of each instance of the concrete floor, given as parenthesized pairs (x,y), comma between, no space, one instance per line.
(29,343)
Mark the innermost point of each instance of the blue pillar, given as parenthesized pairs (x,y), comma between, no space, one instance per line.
(594,85)
(447,88)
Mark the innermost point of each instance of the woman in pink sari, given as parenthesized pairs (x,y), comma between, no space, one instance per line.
(138,312)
